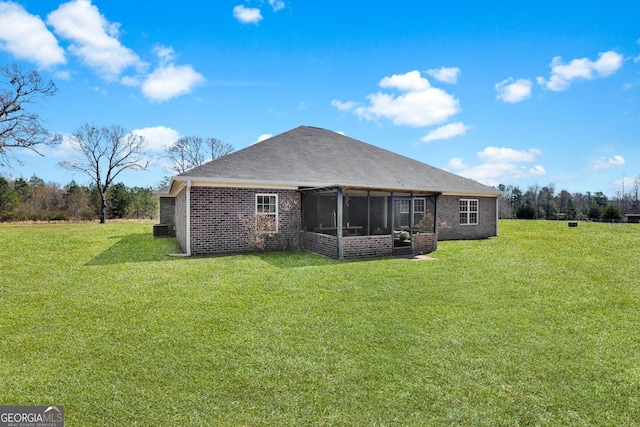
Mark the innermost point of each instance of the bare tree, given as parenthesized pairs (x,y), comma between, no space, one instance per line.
(186,153)
(20,128)
(103,153)
(218,148)
(192,151)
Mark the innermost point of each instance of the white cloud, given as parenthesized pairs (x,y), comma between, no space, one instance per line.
(64,150)
(513,91)
(446,132)
(26,37)
(93,38)
(62,75)
(457,163)
(604,163)
(95,41)
(499,165)
(445,74)
(157,137)
(276,4)
(263,137)
(167,81)
(247,15)
(131,80)
(508,155)
(166,54)
(344,106)
(409,82)
(608,63)
(418,105)
(626,181)
(562,74)
(170,81)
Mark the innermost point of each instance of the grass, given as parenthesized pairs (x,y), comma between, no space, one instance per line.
(539,326)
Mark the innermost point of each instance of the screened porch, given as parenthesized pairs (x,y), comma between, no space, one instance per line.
(347,213)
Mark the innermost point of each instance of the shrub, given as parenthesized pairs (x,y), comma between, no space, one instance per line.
(58,216)
(594,211)
(611,213)
(526,212)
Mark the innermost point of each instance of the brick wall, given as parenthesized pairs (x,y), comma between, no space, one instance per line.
(423,243)
(367,246)
(449,227)
(217,228)
(168,214)
(322,244)
(363,246)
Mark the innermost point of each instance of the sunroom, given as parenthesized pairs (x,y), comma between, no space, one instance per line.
(356,223)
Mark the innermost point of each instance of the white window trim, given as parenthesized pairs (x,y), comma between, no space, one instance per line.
(421,212)
(276,213)
(424,201)
(468,211)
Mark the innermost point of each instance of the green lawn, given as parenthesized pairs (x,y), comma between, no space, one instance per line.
(540,326)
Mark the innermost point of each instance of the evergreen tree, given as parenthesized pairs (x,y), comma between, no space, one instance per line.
(8,199)
(526,211)
(611,213)
(570,209)
(118,197)
(142,203)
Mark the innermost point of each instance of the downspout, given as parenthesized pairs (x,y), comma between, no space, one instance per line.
(187,222)
(188,219)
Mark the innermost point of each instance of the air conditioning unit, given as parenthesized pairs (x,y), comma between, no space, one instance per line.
(160,230)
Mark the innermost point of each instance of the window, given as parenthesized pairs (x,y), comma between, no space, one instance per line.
(267,213)
(468,211)
(419,209)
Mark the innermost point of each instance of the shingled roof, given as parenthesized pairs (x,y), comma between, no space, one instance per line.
(309,157)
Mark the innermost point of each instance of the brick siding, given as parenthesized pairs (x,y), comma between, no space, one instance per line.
(423,243)
(216,226)
(449,227)
(168,214)
(322,244)
(367,246)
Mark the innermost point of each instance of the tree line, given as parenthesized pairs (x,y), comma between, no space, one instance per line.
(542,202)
(34,199)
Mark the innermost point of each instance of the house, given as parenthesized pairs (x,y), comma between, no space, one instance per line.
(324,192)
(633,217)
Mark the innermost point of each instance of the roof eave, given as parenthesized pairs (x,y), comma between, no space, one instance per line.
(175,187)
(201,181)
(472,193)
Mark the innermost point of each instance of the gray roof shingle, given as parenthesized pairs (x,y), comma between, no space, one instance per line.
(314,157)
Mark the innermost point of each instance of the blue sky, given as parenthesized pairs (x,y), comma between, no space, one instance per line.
(501,92)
